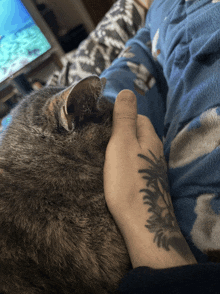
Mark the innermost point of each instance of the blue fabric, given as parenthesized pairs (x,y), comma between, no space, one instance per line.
(135,69)
(173,67)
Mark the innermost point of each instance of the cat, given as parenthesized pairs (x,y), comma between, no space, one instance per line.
(57,234)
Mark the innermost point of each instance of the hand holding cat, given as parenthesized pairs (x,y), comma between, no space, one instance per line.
(132,134)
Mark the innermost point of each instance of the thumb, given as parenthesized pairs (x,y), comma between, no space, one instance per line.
(125,116)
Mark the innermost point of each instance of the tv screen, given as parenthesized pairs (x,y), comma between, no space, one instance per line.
(21,40)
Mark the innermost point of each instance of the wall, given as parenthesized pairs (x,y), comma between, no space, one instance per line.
(98,8)
(69,13)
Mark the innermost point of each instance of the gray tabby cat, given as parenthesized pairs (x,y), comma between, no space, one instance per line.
(56,232)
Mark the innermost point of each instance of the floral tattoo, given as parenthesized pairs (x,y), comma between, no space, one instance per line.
(162,222)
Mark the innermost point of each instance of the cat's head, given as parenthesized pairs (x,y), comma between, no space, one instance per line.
(73,123)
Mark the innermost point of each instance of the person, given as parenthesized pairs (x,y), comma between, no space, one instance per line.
(176,47)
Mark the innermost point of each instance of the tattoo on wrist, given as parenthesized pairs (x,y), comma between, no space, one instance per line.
(162,222)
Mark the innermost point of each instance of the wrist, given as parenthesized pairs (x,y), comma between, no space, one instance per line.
(144,250)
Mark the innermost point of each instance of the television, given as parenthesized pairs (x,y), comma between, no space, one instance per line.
(25,42)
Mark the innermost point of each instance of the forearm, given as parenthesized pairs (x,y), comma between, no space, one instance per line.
(144,251)
(150,229)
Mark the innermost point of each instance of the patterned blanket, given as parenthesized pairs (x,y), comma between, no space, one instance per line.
(103,45)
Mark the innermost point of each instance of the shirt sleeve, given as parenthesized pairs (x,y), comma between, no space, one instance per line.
(136,70)
(197,278)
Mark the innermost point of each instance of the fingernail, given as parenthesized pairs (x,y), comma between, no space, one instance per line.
(127,96)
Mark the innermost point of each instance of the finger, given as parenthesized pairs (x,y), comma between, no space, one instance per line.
(125,116)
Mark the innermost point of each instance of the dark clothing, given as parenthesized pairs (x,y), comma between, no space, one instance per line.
(198,278)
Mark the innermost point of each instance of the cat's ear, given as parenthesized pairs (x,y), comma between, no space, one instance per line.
(79,100)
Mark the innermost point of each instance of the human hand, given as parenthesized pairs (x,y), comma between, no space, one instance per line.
(134,149)
(132,134)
